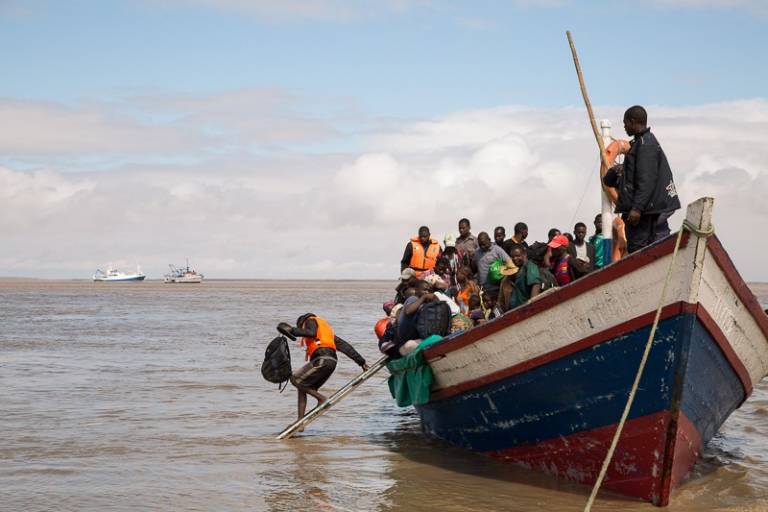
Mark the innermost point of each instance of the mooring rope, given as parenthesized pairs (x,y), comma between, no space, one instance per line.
(687,226)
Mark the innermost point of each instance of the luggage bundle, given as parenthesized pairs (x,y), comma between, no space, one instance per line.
(434,318)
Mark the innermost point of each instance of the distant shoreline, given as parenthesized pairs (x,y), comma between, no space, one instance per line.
(218,279)
(759,288)
(261,279)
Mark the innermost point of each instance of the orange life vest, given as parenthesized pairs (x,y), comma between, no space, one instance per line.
(463,297)
(325,336)
(420,261)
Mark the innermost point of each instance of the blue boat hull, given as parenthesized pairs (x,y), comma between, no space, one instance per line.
(559,417)
(121,279)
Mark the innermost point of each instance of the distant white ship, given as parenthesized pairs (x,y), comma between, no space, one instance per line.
(112,274)
(183,275)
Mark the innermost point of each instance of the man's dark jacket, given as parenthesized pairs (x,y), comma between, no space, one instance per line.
(646,184)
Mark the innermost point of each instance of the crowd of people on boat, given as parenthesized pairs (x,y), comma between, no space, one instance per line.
(479,278)
(470,279)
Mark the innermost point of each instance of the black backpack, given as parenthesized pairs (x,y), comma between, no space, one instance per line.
(276,367)
(536,252)
(434,318)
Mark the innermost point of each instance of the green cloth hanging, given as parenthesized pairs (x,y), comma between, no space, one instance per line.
(411,379)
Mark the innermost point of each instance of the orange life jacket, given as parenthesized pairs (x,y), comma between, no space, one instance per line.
(325,336)
(420,261)
(463,297)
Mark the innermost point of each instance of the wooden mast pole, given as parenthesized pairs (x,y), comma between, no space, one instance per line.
(585,95)
(606,199)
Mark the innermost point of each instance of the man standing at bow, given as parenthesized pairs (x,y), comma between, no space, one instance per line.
(647,193)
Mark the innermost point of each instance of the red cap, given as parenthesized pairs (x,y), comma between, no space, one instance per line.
(559,241)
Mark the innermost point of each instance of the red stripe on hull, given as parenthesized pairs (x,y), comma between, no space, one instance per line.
(684,445)
(637,465)
(688,446)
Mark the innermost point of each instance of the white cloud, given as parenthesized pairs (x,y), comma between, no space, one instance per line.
(349,215)
(40,127)
(159,125)
(757,6)
(710,3)
(263,115)
(336,10)
(28,199)
(20,9)
(345,10)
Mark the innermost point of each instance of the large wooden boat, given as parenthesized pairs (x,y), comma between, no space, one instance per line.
(544,385)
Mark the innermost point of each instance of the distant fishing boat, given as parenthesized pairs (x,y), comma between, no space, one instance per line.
(183,275)
(544,385)
(112,274)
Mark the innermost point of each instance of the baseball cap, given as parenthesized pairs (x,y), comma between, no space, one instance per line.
(559,241)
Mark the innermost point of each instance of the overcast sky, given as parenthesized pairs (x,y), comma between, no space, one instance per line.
(311,138)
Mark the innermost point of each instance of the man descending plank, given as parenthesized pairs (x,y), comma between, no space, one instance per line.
(321,344)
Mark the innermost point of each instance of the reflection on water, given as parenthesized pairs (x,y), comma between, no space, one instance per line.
(148,396)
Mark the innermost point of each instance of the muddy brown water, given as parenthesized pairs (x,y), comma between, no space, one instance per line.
(145,396)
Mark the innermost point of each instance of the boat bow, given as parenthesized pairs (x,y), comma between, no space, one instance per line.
(543,385)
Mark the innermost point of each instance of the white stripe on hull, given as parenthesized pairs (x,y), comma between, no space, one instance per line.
(734,319)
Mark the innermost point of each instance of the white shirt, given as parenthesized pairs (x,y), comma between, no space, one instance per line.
(581,252)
